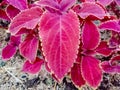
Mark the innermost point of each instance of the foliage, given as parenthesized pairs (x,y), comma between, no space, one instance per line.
(66,34)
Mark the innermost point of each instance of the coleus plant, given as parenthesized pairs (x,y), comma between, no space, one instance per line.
(66,34)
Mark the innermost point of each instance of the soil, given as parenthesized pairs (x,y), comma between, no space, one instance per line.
(12,78)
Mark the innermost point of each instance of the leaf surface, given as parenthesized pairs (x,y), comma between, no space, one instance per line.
(3,15)
(76,75)
(28,48)
(20,4)
(88,9)
(28,18)
(91,70)
(33,68)
(60,41)
(90,36)
(111,25)
(105,2)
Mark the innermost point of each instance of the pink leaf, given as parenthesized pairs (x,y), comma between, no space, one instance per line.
(60,41)
(11,48)
(88,9)
(91,71)
(115,61)
(20,4)
(89,0)
(105,2)
(108,68)
(12,11)
(8,52)
(118,2)
(28,18)
(3,15)
(76,75)
(66,4)
(90,36)
(103,49)
(28,48)
(111,25)
(33,68)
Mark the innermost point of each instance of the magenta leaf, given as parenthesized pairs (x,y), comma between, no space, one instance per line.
(3,15)
(28,18)
(108,68)
(91,71)
(111,25)
(105,2)
(103,49)
(91,36)
(11,48)
(60,41)
(33,68)
(8,52)
(66,4)
(118,2)
(28,48)
(76,75)
(12,11)
(20,4)
(93,9)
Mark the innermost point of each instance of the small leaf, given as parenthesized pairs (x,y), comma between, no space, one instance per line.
(76,75)
(91,71)
(108,68)
(90,36)
(12,11)
(20,4)
(115,61)
(33,68)
(111,25)
(88,9)
(28,18)
(103,49)
(28,48)
(8,52)
(60,41)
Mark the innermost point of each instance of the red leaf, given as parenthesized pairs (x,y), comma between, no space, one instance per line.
(3,15)
(8,52)
(12,11)
(115,61)
(76,75)
(91,71)
(28,18)
(33,68)
(28,48)
(108,68)
(60,41)
(91,36)
(20,4)
(103,48)
(111,25)
(91,9)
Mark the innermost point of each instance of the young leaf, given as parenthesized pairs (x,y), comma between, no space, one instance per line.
(28,18)
(90,36)
(91,71)
(33,68)
(11,48)
(111,25)
(88,9)
(108,68)
(60,41)
(20,4)
(103,49)
(76,75)
(8,52)
(12,11)
(28,48)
